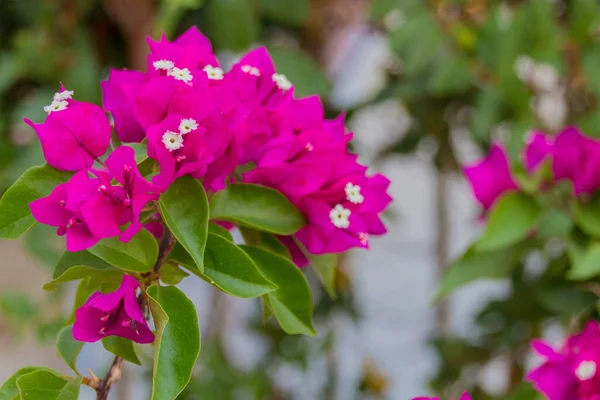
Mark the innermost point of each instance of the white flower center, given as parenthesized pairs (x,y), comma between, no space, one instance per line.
(215,73)
(182,74)
(364,238)
(165,65)
(172,140)
(64,95)
(282,82)
(56,105)
(586,370)
(353,193)
(187,125)
(250,70)
(340,216)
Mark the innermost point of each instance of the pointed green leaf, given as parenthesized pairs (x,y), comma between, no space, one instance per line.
(184,208)
(9,390)
(121,347)
(475,265)
(257,207)
(47,385)
(138,255)
(587,264)
(171,274)
(511,219)
(292,302)
(271,243)
(36,182)
(177,344)
(73,266)
(219,230)
(325,265)
(68,348)
(228,268)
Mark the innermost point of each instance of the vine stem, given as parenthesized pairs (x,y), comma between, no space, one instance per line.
(113,375)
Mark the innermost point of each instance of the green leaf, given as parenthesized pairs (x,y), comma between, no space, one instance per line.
(141,151)
(271,243)
(292,302)
(587,216)
(184,208)
(228,268)
(219,230)
(68,348)
(511,219)
(171,274)
(565,299)
(73,266)
(304,73)
(177,344)
(256,207)
(587,264)
(17,306)
(451,77)
(121,347)
(475,265)
(36,182)
(9,389)
(47,385)
(138,255)
(291,12)
(325,266)
(554,223)
(232,24)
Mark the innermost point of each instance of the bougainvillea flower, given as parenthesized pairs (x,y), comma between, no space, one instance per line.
(570,373)
(74,133)
(464,396)
(538,148)
(577,158)
(490,177)
(118,97)
(113,314)
(53,211)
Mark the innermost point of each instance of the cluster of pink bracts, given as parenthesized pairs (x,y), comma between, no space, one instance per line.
(198,120)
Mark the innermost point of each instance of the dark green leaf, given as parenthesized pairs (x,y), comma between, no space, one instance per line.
(36,182)
(271,243)
(177,344)
(292,302)
(325,265)
(121,347)
(475,265)
(73,266)
(304,73)
(257,207)
(232,24)
(587,216)
(68,348)
(291,12)
(511,219)
(566,300)
(138,255)
(219,230)
(184,208)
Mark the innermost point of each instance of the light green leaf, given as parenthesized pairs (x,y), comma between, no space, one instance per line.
(586,265)
(139,255)
(9,389)
(171,274)
(121,347)
(141,151)
(17,306)
(292,302)
(228,268)
(587,216)
(257,207)
(73,266)
(184,208)
(177,344)
(475,265)
(47,385)
(304,73)
(68,348)
(511,219)
(232,24)
(36,182)
(219,230)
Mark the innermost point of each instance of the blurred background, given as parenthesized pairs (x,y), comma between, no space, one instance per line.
(426,86)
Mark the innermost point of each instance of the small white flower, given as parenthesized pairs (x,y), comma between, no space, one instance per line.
(250,70)
(364,238)
(586,370)
(165,65)
(353,193)
(340,216)
(182,74)
(309,146)
(172,140)
(56,105)
(187,125)
(215,73)
(282,82)
(64,95)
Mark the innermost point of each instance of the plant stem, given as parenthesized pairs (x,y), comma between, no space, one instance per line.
(164,249)
(112,376)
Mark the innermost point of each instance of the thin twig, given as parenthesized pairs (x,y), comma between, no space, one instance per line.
(112,376)
(164,249)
